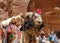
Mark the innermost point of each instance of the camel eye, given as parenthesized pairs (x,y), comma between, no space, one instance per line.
(36,17)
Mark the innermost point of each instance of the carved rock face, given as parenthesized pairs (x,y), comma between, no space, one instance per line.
(44,5)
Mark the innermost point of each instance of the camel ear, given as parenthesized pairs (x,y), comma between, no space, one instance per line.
(34,17)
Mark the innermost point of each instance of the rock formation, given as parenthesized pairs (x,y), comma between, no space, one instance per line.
(9,8)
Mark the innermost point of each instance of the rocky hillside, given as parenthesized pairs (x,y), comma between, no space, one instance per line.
(10,8)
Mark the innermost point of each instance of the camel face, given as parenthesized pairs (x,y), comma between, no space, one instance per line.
(36,16)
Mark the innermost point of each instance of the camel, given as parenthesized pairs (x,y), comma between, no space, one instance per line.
(32,25)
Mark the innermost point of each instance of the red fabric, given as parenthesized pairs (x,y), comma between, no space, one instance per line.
(38,11)
(9,30)
(19,35)
(0,32)
(13,26)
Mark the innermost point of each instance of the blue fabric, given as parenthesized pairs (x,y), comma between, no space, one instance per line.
(49,39)
(53,37)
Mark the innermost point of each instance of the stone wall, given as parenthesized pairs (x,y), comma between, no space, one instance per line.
(44,5)
(52,20)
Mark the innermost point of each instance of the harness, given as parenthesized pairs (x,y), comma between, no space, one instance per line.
(27,25)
